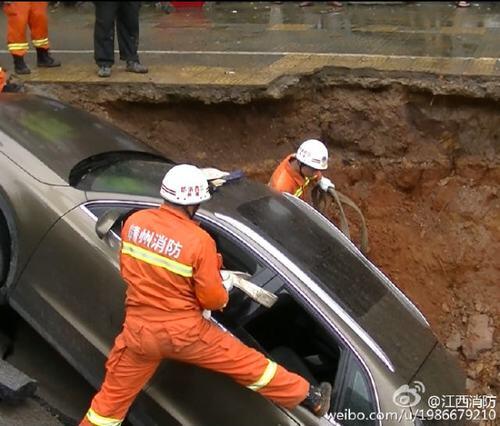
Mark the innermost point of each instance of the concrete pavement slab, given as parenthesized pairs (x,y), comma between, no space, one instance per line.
(254,43)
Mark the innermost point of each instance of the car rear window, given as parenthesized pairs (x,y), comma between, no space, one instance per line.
(128,173)
(58,135)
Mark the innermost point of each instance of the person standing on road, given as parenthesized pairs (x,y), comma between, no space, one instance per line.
(126,16)
(172,271)
(21,14)
(300,171)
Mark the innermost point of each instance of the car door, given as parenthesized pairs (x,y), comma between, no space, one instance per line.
(74,291)
(286,332)
(292,334)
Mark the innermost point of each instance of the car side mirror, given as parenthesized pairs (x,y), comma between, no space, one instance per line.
(106,222)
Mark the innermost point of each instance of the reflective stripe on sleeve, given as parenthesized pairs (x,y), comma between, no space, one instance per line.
(155,259)
(266,377)
(98,420)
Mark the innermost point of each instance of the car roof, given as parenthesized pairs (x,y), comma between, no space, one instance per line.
(373,304)
(59,135)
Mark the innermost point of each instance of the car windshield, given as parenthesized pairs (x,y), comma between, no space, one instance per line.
(355,284)
(121,172)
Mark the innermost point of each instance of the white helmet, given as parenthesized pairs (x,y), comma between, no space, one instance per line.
(313,153)
(185,185)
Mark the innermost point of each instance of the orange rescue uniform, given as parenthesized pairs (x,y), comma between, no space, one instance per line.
(21,14)
(3,79)
(286,179)
(172,269)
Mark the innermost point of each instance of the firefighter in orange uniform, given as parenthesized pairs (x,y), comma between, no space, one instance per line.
(300,171)
(21,14)
(3,79)
(172,271)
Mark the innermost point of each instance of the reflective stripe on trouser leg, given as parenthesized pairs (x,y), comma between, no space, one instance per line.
(97,420)
(37,21)
(127,371)
(220,351)
(17,20)
(18,48)
(44,43)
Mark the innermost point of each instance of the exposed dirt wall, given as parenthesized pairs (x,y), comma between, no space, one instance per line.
(424,168)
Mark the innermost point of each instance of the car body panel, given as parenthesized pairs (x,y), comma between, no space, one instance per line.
(91,268)
(430,374)
(31,208)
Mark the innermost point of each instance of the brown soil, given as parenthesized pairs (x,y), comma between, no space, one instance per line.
(424,169)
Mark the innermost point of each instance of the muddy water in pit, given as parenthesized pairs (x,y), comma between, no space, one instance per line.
(424,169)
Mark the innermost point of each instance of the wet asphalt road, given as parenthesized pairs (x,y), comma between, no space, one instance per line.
(60,387)
(254,42)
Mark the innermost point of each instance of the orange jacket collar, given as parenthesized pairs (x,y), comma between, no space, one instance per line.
(294,174)
(174,211)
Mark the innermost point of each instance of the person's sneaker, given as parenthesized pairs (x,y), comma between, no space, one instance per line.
(104,71)
(137,67)
(20,66)
(45,60)
(318,399)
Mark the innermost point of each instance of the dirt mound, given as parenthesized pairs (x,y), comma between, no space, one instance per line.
(425,170)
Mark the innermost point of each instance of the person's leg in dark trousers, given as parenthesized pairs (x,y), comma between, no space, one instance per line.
(104,35)
(127,29)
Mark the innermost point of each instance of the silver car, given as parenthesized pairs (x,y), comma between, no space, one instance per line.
(68,181)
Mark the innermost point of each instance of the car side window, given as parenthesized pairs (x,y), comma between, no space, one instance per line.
(357,396)
(234,257)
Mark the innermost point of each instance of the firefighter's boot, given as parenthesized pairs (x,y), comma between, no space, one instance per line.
(45,60)
(20,66)
(318,399)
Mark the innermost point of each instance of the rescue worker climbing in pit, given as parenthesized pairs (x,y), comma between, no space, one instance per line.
(172,271)
(301,171)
